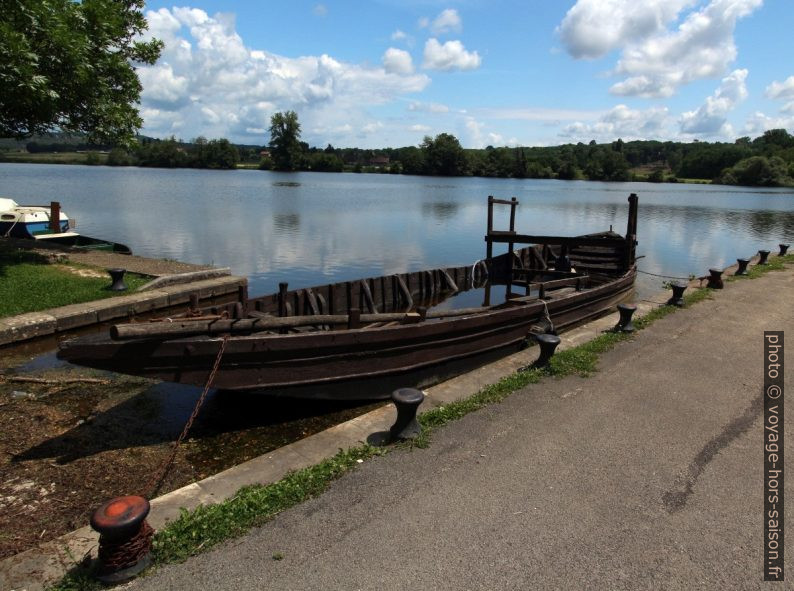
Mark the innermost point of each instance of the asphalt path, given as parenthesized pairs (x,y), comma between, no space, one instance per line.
(646,475)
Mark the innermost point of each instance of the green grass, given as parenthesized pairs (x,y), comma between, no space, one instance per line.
(55,157)
(207,526)
(28,283)
(774,264)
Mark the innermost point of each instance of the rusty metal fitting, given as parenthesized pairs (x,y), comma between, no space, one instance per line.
(624,323)
(715,279)
(783,249)
(407,401)
(742,270)
(764,254)
(678,295)
(125,539)
(117,277)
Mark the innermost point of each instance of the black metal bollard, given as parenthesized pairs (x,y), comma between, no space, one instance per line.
(626,312)
(548,344)
(125,540)
(715,279)
(407,401)
(678,295)
(763,254)
(742,270)
(783,249)
(117,277)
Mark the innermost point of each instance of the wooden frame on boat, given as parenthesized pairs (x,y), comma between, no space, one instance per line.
(343,340)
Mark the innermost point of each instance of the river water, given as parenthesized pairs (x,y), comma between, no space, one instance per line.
(314,228)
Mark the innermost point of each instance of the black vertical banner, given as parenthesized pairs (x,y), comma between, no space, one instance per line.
(773,457)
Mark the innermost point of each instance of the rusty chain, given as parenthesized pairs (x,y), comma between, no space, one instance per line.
(115,556)
(160,473)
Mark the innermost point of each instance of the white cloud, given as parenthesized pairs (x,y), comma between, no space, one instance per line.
(419,127)
(702,47)
(656,58)
(452,55)
(162,87)
(781,90)
(209,83)
(621,122)
(320,10)
(593,28)
(423,22)
(758,123)
(474,133)
(398,61)
(448,21)
(710,119)
(477,137)
(428,107)
(372,127)
(398,35)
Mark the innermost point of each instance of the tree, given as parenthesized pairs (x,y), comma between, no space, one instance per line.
(285,145)
(70,65)
(444,155)
(757,171)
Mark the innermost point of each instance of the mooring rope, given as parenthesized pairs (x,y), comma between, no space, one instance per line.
(485,271)
(8,233)
(160,473)
(663,276)
(548,316)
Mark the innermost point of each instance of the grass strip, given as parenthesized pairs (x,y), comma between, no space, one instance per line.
(773,264)
(206,526)
(30,283)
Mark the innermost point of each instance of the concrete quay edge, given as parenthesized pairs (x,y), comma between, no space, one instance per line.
(47,322)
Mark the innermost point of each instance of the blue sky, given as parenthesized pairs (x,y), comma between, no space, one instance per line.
(386,73)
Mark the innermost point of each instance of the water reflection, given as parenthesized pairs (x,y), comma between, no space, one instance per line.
(441,211)
(314,228)
(286,222)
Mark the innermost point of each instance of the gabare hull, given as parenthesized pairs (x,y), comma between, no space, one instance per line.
(286,362)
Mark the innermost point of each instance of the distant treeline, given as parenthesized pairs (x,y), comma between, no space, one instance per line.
(170,153)
(767,160)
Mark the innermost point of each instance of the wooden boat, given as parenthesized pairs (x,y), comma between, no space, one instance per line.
(359,339)
(47,223)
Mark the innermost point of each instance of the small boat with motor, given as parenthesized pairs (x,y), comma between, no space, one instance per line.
(360,339)
(47,223)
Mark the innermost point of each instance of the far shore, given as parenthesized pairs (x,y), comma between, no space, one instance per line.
(100,159)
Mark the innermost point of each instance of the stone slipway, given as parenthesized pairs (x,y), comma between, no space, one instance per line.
(172,284)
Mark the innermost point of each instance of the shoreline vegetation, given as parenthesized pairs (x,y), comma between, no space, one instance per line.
(33,282)
(766,161)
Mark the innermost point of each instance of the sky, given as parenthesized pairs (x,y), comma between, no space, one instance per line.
(387,73)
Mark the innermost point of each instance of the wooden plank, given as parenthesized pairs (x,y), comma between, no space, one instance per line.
(450,281)
(507,237)
(263,322)
(408,301)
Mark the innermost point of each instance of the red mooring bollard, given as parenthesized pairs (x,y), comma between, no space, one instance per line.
(125,540)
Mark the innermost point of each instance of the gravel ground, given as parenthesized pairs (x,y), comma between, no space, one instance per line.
(110,260)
